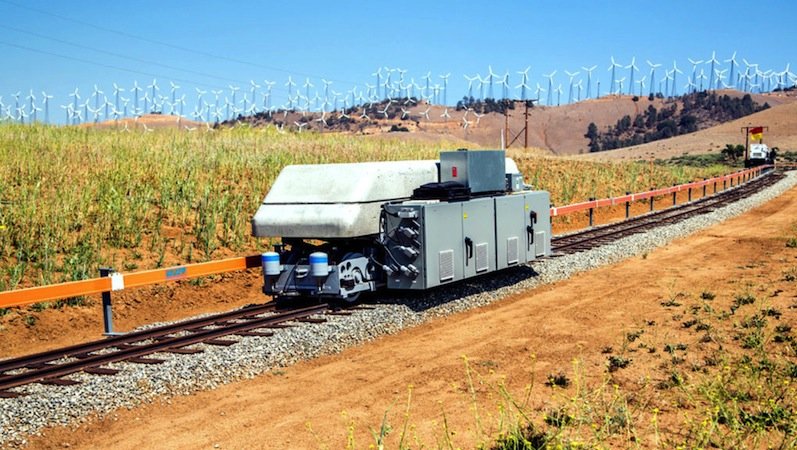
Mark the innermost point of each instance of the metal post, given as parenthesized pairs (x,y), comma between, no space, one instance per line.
(107,309)
(526,128)
(627,206)
(715,187)
(591,212)
(724,184)
(689,195)
(674,194)
(704,188)
(651,201)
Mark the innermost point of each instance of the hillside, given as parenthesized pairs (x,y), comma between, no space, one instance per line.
(558,129)
(782,133)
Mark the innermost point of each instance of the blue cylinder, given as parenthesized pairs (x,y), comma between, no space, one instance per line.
(271,263)
(319,264)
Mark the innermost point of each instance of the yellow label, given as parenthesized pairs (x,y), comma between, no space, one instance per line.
(465,215)
(527,207)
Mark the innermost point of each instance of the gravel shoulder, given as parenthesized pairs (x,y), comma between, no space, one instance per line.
(311,373)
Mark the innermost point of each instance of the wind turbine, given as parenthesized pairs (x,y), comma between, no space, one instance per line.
(675,72)
(694,70)
(428,78)
(290,84)
(307,85)
(153,86)
(135,91)
(174,89)
(96,94)
(378,75)
(620,84)
(75,97)
(32,108)
(733,63)
(572,75)
(470,84)
(550,87)
(559,94)
(505,86)
(641,83)
(523,86)
(490,78)
(713,61)
(612,68)
(116,91)
(653,68)
(445,86)
(539,89)
(589,79)
(233,90)
(46,106)
(633,68)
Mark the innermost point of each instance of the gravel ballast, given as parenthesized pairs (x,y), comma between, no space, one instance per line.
(182,374)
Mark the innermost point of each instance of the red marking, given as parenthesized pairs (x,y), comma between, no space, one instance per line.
(454,171)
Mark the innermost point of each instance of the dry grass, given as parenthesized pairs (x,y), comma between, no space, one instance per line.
(73,199)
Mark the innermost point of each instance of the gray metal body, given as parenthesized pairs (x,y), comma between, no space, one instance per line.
(481,171)
(453,241)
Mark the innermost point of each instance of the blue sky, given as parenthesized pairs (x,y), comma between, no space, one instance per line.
(232,43)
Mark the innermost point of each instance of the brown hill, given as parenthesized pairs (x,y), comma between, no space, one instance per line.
(782,133)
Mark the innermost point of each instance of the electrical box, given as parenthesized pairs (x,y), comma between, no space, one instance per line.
(431,242)
(480,170)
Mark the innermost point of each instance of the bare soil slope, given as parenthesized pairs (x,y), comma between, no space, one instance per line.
(782,133)
(322,403)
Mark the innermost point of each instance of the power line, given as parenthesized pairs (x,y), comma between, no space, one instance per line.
(107,66)
(166,44)
(119,55)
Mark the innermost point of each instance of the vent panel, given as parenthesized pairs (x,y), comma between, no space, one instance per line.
(512,250)
(482,258)
(447,265)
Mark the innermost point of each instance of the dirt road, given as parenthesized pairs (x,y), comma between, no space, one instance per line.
(569,327)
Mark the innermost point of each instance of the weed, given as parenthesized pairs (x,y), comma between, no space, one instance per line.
(30,320)
(742,299)
(559,380)
(618,362)
(707,295)
(633,336)
(791,242)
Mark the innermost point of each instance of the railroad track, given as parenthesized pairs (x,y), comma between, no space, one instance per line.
(602,235)
(138,347)
(179,338)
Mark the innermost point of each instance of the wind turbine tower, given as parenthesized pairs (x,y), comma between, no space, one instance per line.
(612,68)
(572,75)
(675,72)
(523,80)
(731,80)
(550,87)
(694,71)
(653,68)
(713,61)
(633,68)
(445,87)
(589,79)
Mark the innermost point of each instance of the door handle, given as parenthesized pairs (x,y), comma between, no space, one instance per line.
(468,249)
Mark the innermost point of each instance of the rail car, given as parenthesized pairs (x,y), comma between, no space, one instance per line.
(759,155)
(349,229)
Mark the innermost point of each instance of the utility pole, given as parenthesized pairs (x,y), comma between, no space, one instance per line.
(525,131)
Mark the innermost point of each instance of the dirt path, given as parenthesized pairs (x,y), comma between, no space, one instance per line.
(561,327)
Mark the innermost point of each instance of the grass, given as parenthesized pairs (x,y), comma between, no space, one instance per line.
(730,393)
(73,199)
